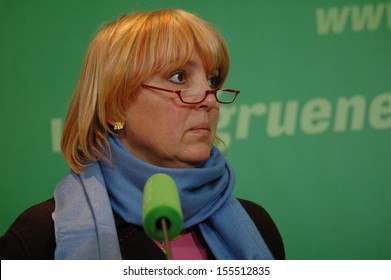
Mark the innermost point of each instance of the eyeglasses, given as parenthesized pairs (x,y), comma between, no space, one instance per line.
(194,96)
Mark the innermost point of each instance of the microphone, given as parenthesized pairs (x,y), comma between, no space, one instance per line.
(162,213)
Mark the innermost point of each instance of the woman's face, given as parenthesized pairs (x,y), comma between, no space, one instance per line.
(162,130)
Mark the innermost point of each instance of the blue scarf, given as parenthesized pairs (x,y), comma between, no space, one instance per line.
(84,224)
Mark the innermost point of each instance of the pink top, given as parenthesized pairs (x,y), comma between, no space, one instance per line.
(187,247)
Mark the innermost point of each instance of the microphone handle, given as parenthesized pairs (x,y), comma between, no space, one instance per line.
(166,243)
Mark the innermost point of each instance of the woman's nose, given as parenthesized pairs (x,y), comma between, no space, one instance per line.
(209,101)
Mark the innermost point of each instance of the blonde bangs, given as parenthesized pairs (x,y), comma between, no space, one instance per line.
(173,36)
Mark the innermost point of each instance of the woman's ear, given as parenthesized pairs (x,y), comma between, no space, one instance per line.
(115,123)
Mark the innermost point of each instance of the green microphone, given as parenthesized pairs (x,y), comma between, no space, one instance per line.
(162,212)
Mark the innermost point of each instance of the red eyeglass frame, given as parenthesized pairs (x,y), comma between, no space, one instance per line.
(208,91)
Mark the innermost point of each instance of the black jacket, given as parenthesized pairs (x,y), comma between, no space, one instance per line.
(31,236)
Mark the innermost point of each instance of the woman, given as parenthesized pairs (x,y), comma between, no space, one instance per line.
(147,102)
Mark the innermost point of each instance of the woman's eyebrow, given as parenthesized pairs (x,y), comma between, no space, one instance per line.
(191,63)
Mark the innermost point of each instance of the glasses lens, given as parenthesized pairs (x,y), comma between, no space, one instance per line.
(225,96)
(192,95)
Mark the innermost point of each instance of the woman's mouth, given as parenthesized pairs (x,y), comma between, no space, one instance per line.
(201,129)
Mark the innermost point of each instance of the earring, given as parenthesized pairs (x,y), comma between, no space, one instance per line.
(118,125)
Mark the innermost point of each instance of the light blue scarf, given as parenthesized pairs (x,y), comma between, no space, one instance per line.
(84,224)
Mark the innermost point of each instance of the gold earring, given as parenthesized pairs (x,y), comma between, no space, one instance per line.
(118,125)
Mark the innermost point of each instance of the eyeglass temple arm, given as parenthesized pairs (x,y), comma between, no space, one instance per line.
(163,89)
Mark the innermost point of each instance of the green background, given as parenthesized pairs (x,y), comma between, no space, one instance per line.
(327,186)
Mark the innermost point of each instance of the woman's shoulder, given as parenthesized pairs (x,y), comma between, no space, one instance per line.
(31,236)
(266,226)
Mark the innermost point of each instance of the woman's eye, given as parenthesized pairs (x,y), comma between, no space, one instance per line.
(214,82)
(178,77)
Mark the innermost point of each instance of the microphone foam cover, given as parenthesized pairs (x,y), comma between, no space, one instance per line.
(161,200)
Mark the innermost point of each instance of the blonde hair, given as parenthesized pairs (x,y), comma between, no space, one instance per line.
(119,59)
